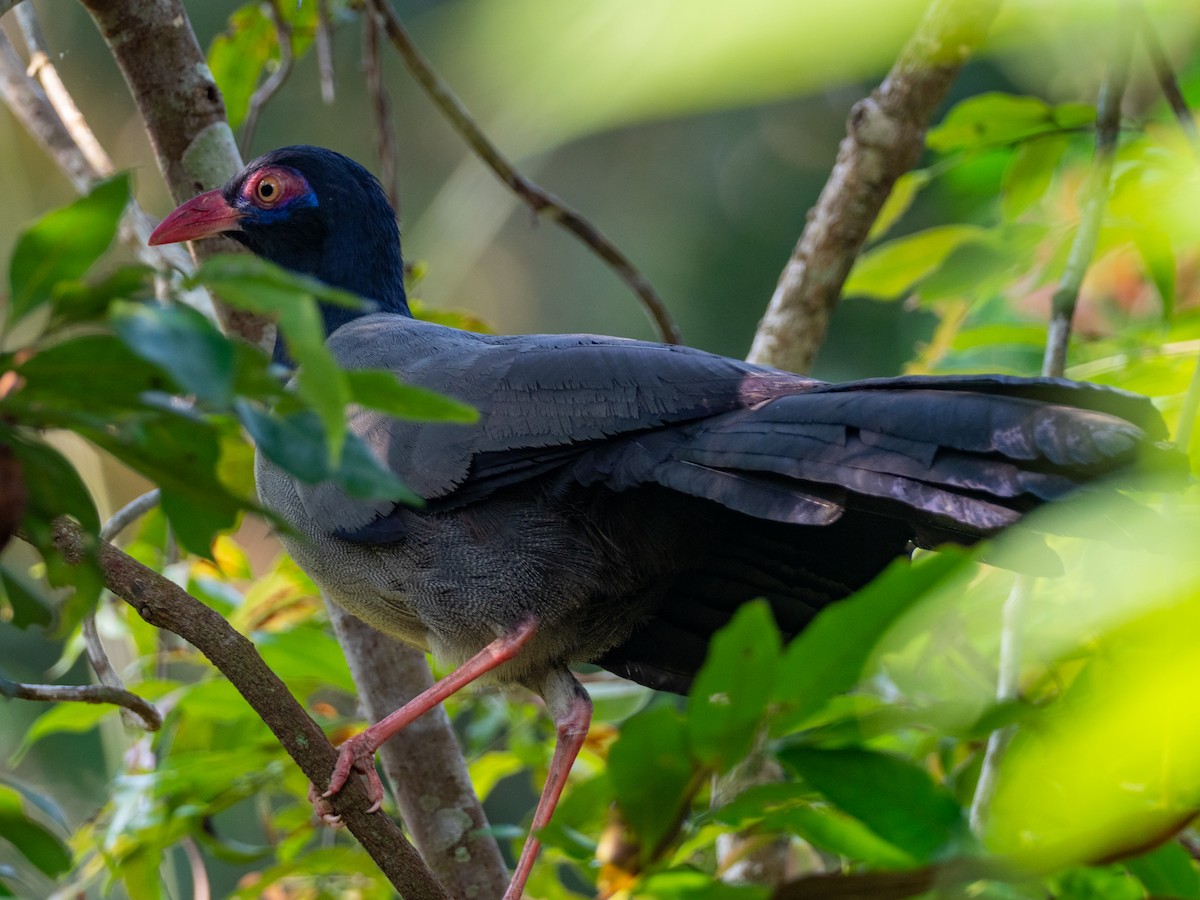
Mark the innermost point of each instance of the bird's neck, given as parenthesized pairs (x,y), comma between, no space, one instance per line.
(372,270)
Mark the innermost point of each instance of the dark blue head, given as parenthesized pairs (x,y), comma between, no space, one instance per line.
(310,210)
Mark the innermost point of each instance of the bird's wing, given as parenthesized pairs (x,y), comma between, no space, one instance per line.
(964,456)
(542,400)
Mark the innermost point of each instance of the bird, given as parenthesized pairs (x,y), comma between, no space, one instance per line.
(617,500)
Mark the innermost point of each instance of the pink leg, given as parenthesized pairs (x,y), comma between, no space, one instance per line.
(358,753)
(572,710)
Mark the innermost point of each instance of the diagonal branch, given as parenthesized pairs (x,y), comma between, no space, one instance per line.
(164,604)
(885,137)
(539,200)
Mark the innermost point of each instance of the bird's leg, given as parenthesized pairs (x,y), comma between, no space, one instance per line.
(358,753)
(571,708)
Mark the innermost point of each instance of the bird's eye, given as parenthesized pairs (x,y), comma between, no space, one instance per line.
(268,191)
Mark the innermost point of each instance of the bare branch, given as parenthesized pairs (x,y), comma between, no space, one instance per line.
(84,693)
(381,104)
(164,604)
(130,513)
(274,81)
(325,52)
(1091,217)
(39,64)
(885,137)
(540,201)
(6,5)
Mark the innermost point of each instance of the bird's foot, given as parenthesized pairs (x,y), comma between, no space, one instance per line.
(323,808)
(355,755)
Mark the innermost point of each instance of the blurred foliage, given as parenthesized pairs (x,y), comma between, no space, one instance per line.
(878,713)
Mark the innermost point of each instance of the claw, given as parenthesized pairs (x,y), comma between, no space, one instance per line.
(355,755)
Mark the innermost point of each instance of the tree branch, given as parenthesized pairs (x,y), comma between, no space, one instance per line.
(154,46)
(163,604)
(885,137)
(85,693)
(539,200)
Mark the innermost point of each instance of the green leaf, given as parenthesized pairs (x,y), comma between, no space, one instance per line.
(116,381)
(382,390)
(731,691)
(183,343)
(1158,258)
(238,56)
(898,201)
(887,271)
(54,486)
(28,607)
(990,119)
(790,808)
(1169,871)
(77,302)
(262,287)
(63,245)
(179,454)
(828,657)
(63,718)
(893,797)
(296,444)
(32,840)
(1028,175)
(652,774)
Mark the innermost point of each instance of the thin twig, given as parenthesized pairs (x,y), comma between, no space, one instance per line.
(381,105)
(84,693)
(40,66)
(201,889)
(1008,686)
(1091,216)
(97,655)
(325,68)
(130,513)
(539,200)
(1167,81)
(274,81)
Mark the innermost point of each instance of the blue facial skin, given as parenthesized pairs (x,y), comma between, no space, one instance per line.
(341,231)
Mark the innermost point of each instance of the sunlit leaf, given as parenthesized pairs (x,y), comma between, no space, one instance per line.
(887,271)
(238,56)
(1028,176)
(899,199)
(986,120)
